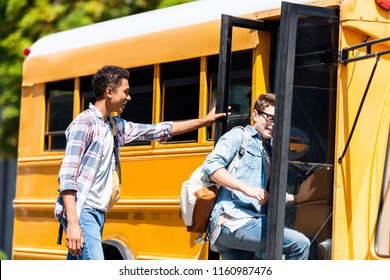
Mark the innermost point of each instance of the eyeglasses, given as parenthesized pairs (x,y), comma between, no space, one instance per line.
(268,117)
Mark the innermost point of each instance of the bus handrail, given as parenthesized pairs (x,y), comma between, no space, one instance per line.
(340,159)
(344,54)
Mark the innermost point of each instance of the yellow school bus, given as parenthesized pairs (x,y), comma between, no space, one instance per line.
(328,63)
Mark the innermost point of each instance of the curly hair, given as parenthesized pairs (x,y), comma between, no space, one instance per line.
(108,76)
(263,101)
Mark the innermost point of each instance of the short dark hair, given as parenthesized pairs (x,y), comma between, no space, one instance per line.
(108,76)
(263,101)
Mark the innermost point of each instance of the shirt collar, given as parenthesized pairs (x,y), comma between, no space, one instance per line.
(96,111)
(252,131)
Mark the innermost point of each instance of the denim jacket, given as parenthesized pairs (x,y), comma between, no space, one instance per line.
(250,170)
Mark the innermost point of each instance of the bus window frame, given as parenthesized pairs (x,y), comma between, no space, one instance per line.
(49,100)
(167,82)
(144,88)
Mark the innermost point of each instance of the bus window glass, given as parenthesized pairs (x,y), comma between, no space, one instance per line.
(86,92)
(240,86)
(140,107)
(383,231)
(180,94)
(59,113)
(313,126)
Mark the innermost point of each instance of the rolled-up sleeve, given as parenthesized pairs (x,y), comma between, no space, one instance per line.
(129,131)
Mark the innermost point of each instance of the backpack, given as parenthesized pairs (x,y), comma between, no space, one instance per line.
(199,193)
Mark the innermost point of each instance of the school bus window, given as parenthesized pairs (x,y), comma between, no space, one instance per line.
(180,90)
(139,109)
(316,60)
(240,86)
(86,92)
(59,113)
(315,83)
(313,128)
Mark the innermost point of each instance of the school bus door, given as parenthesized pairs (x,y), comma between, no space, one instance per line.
(284,84)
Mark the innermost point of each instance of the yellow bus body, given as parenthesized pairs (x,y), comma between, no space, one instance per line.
(146,219)
(358,181)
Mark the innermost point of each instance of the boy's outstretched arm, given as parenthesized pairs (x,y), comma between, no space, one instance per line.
(180,127)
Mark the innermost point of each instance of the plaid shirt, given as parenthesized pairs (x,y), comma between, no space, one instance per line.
(84,150)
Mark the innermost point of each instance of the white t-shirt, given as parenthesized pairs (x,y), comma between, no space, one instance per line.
(100,192)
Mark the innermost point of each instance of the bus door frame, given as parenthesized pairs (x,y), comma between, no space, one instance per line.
(284,81)
(224,67)
(224,64)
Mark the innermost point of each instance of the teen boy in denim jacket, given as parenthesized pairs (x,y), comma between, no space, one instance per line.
(238,224)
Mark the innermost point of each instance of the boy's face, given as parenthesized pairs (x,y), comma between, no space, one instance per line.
(121,96)
(264,122)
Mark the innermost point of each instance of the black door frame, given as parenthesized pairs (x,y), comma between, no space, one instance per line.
(224,65)
(285,62)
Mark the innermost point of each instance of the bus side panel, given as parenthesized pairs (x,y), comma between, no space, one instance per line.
(358,179)
(32,122)
(149,222)
(146,217)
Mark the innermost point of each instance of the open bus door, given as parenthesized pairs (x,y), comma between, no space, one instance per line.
(224,65)
(294,67)
(224,74)
(314,22)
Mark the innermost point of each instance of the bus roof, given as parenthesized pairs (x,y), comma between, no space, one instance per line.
(171,34)
(149,22)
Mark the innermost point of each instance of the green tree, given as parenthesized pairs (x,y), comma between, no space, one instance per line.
(3,255)
(22,22)
(167,3)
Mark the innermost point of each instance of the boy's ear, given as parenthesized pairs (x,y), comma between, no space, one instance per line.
(254,114)
(108,92)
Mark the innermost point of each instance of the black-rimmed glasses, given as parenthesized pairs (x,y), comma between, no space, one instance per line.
(268,117)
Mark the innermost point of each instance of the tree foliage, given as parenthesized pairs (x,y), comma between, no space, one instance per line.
(22,22)
(3,255)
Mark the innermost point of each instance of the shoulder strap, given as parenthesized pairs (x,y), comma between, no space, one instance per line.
(244,143)
(116,154)
(113,126)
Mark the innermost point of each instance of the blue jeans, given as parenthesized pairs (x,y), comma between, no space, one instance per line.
(243,243)
(91,222)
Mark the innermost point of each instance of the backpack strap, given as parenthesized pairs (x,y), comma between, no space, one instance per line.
(202,237)
(244,143)
(233,166)
(116,154)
